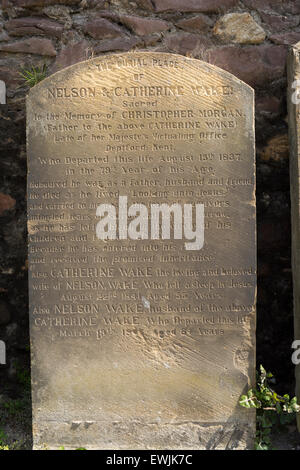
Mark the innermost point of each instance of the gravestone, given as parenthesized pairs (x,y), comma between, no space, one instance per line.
(294,142)
(146,339)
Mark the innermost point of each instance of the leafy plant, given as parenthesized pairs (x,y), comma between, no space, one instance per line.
(3,437)
(271,408)
(34,75)
(14,407)
(23,376)
(78,448)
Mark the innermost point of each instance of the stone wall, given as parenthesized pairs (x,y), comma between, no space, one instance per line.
(249,38)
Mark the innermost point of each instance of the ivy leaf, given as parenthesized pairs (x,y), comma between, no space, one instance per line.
(249,401)
(261,446)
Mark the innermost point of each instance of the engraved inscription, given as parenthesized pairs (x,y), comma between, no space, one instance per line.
(140,327)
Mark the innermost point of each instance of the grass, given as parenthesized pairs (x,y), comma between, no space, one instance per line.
(34,75)
(15,415)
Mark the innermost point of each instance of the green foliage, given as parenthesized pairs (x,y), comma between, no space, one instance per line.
(23,376)
(15,413)
(3,438)
(14,407)
(34,75)
(79,448)
(272,409)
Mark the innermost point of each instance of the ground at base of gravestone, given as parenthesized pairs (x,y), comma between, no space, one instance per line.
(15,428)
(288,439)
(15,423)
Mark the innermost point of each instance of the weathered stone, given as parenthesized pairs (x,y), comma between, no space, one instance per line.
(199,23)
(34,26)
(5,4)
(268,104)
(145,4)
(10,76)
(293,100)
(145,340)
(98,4)
(100,28)
(187,43)
(202,6)
(240,28)
(280,6)
(4,36)
(276,149)
(229,436)
(279,22)
(4,313)
(71,54)
(10,68)
(151,40)
(117,44)
(79,21)
(286,38)
(109,15)
(60,13)
(30,46)
(256,65)
(42,3)
(6,203)
(144,26)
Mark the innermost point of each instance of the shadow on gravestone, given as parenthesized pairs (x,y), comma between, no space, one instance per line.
(141,337)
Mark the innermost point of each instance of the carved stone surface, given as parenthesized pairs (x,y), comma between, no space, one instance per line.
(141,343)
(294,144)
